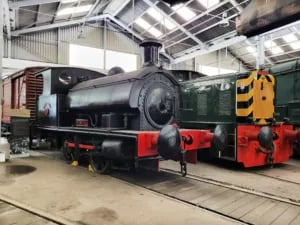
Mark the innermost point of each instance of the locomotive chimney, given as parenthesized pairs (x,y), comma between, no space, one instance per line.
(150,54)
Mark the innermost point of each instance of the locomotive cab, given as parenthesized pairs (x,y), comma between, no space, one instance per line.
(56,83)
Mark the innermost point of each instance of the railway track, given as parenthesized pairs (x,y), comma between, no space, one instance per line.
(235,203)
(15,213)
(288,172)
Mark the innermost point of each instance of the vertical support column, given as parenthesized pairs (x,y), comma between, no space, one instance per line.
(9,48)
(104,44)
(193,63)
(219,61)
(1,57)
(59,46)
(260,61)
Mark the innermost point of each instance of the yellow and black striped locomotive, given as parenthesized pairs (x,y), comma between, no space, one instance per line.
(239,108)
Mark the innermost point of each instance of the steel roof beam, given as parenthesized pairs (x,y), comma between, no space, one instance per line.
(236,5)
(199,32)
(81,21)
(213,48)
(55,14)
(97,6)
(56,25)
(135,34)
(201,14)
(175,23)
(228,35)
(172,13)
(120,8)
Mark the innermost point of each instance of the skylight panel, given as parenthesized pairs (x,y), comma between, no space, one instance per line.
(270,44)
(155,32)
(295,45)
(158,17)
(142,23)
(154,14)
(276,50)
(208,3)
(168,24)
(73,10)
(252,50)
(184,11)
(290,38)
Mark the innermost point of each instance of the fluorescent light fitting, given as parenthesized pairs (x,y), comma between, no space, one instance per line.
(289,38)
(155,32)
(184,11)
(208,3)
(142,23)
(295,45)
(158,17)
(74,10)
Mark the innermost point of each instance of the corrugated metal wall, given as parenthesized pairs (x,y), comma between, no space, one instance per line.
(53,46)
(40,46)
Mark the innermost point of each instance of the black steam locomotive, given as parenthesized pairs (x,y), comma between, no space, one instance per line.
(117,118)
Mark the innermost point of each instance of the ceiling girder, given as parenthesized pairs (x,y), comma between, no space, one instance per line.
(236,5)
(82,21)
(216,40)
(157,23)
(212,48)
(56,25)
(134,33)
(199,32)
(201,14)
(199,42)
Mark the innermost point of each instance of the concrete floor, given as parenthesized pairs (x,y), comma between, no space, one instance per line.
(53,186)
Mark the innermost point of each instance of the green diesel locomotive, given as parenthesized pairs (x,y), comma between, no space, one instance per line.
(239,108)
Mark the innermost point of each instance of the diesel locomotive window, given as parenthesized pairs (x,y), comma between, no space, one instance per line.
(65,79)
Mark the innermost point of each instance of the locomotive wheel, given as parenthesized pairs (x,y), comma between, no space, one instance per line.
(100,164)
(67,152)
